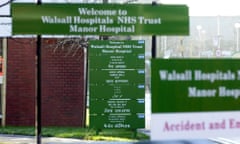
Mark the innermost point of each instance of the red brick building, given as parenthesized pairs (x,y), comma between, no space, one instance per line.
(63,98)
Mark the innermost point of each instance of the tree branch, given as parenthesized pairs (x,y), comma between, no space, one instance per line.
(6,3)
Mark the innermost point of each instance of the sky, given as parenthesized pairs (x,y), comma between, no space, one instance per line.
(196,7)
(209,7)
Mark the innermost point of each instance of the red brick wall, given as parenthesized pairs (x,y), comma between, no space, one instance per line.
(63,102)
(62,85)
(20,89)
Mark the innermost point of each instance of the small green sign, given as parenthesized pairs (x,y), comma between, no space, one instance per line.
(117,86)
(195,85)
(117,76)
(117,106)
(100,19)
(118,121)
(120,59)
(133,91)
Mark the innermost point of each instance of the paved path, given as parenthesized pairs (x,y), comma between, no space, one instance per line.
(15,139)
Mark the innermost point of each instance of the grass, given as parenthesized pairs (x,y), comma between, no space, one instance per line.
(79,133)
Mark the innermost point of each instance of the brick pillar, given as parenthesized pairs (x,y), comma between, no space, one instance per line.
(20,88)
(63,102)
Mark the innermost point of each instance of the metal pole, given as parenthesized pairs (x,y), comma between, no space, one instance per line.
(237,26)
(85,50)
(38,87)
(154,46)
(219,32)
(237,29)
(38,116)
(154,39)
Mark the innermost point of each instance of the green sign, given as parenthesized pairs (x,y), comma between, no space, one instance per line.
(195,85)
(115,106)
(117,85)
(100,19)
(111,75)
(119,91)
(118,121)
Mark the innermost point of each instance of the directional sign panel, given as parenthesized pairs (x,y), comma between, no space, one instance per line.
(117,84)
(116,106)
(119,121)
(117,76)
(118,91)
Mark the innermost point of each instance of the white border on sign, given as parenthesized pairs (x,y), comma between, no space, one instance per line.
(203,125)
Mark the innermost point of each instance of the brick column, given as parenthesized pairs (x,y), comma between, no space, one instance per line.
(20,88)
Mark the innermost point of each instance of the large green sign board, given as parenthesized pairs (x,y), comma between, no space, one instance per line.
(195,85)
(117,84)
(100,19)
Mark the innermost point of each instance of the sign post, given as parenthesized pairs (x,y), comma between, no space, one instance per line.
(39,87)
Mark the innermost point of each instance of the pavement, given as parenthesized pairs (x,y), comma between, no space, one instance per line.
(17,139)
(21,139)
